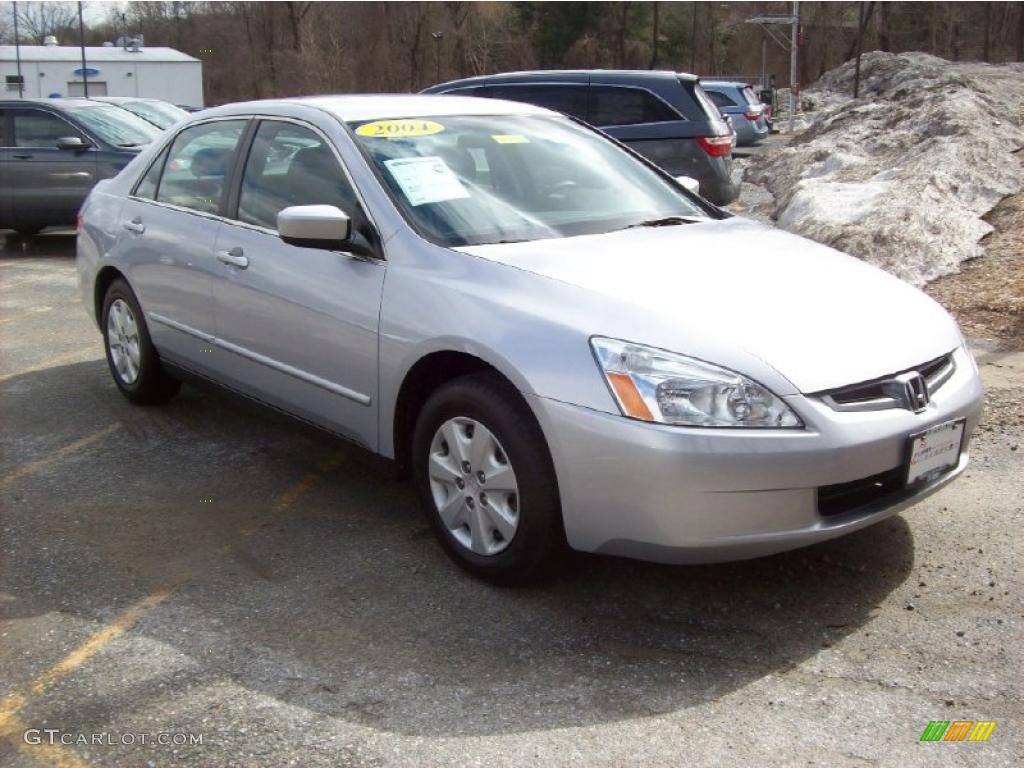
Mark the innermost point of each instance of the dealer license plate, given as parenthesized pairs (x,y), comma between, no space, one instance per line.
(935,451)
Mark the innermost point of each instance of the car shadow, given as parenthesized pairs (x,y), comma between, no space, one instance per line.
(313,577)
(58,242)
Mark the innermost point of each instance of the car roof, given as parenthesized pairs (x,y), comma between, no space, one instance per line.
(581,75)
(123,99)
(385,106)
(725,83)
(63,103)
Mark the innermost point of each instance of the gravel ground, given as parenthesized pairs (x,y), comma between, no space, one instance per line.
(213,569)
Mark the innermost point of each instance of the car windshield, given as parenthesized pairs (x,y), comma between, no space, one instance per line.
(115,126)
(468,180)
(159,113)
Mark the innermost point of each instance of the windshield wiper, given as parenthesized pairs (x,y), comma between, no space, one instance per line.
(664,221)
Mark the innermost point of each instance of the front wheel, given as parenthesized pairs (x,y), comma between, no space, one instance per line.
(485,479)
(133,361)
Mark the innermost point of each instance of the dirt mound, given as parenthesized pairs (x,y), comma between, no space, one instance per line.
(902,176)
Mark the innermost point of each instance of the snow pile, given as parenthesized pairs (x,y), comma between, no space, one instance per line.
(901,176)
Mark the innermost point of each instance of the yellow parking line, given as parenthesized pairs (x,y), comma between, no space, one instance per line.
(300,487)
(102,637)
(11,726)
(60,453)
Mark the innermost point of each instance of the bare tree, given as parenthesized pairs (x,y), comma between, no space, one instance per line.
(37,20)
(862,23)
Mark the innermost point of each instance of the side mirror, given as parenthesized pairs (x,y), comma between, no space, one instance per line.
(74,143)
(689,183)
(314,226)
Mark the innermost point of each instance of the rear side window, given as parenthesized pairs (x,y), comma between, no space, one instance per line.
(567,99)
(610,105)
(197,165)
(148,183)
(36,128)
(290,165)
(720,99)
(750,96)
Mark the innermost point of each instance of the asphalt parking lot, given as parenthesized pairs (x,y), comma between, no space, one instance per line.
(211,569)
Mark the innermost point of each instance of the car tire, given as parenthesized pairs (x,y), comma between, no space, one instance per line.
(509,537)
(134,363)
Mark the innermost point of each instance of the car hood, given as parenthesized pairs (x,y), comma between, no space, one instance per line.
(819,317)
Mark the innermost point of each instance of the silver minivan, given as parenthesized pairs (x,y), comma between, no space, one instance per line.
(560,343)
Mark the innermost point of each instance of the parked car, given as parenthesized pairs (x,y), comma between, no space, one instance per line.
(664,116)
(162,114)
(52,153)
(558,340)
(749,115)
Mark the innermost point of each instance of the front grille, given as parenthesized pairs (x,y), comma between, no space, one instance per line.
(877,395)
(844,497)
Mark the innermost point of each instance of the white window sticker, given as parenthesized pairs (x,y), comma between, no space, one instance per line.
(426,180)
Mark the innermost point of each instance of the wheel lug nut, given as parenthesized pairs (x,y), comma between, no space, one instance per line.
(466,468)
(469,502)
(480,477)
(460,483)
(483,498)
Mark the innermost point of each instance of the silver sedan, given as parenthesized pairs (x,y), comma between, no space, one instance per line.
(560,344)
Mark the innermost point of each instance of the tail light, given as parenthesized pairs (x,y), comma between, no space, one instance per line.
(751,116)
(716,146)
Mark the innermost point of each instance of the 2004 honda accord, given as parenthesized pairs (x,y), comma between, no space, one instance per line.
(559,342)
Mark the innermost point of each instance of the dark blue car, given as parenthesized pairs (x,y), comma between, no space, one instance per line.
(664,116)
(53,151)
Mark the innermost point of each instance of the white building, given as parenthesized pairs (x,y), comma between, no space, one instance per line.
(56,70)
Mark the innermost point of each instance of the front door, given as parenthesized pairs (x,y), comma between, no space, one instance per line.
(299,325)
(48,184)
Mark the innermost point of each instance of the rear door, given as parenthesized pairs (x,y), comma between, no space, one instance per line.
(299,325)
(51,184)
(647,124)
(168,228)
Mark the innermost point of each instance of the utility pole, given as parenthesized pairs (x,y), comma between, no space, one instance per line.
(17,54)
(794,54)
(81,45)
(438,38)
(768,24)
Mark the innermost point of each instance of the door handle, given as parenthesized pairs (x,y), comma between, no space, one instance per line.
(235,257)
(135,225)
(22,157)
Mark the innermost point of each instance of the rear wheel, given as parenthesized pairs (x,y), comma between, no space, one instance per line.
(485,479)
(133,361)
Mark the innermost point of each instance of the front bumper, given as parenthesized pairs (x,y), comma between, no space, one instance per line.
(688,495)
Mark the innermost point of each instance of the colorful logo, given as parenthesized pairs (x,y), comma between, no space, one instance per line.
(958,730)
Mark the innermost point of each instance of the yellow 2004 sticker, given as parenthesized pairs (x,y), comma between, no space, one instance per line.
(399,129)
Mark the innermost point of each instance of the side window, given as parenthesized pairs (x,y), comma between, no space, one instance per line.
(719,99)
(290,165)
(37,128)
(568,99)
(197,165)
(147,186)
(611,105)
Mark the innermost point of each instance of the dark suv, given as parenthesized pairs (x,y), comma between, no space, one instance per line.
(664,116)
(52,152)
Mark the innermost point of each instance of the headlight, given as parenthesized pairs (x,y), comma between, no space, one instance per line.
(653,385)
